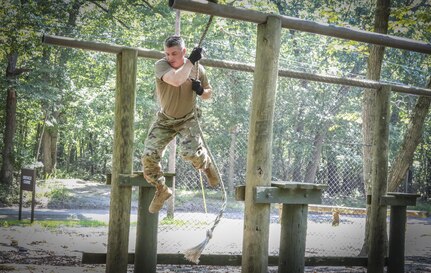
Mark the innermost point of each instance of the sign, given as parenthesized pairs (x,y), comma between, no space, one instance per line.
(28,179)
(28,183)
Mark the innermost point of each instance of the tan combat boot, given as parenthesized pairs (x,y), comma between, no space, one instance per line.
(163,192)
(211,174)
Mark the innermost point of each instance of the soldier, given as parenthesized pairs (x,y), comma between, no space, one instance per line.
(177,91)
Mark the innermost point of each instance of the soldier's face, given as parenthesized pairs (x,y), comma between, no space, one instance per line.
(175,56)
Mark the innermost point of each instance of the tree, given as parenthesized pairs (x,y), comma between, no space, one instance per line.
(13,18)
(375,60)
(412,138)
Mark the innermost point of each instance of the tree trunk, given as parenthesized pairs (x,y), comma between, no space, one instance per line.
(411,140)
(375,60)
(298,151)
(313,164)
(6,172)
(49,141)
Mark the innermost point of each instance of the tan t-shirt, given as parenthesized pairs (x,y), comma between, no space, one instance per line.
(179,101)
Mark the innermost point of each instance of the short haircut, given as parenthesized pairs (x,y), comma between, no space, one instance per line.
(175,40)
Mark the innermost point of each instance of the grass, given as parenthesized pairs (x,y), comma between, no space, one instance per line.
(53,224)
(5,268)
(168,221)
(422,206)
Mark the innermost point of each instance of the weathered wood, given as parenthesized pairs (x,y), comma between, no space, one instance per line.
(298,185)
(379,176)
(240,193)
(397,238)
(153,54)
(268,195)
(390,200)
(137,179)
(207,7)
(231,260)
(259,154)
(146,233)
(122,162)
(292,238)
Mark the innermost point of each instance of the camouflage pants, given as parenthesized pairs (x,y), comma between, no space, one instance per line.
(163,130)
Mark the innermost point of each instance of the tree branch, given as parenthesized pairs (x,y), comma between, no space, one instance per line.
(107,11)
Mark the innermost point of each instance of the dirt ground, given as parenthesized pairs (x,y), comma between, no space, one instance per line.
(39,250)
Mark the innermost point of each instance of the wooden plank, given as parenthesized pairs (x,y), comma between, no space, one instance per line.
(259,152)
(268,195)
(137,179)
(388,200)
(298,185)
(232,260)
(122,162)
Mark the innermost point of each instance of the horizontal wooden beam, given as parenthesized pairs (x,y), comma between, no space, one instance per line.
(207,7)
(270,195)
(154,54)
(298,185)
(96,46)
(396,199)
(399,199)
(137,179)
(230,260)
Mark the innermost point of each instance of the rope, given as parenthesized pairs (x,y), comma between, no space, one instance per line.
(194,253)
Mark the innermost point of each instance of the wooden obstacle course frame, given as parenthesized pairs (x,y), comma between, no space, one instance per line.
(117,256)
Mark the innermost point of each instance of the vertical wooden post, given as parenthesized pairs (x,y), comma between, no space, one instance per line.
(379,175)
(146,233)
(259,154)
(120,204)
(292,239)
(397,238)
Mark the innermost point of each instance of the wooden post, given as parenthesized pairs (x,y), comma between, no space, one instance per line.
(397,238)
(379,175)
(146,233)
(122,162)
(259,165)
(292,238)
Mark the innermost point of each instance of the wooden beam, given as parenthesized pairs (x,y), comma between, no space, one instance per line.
(122,162)
(207,7)
(259,152)
(154,54)
(270,195)
(231,260)
(96,46)
(137,179)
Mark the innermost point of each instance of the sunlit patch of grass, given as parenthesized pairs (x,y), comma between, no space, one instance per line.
(52,224)
(169,221)
(6,267)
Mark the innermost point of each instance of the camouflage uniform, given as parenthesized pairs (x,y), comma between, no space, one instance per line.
(163,130)
(176,118)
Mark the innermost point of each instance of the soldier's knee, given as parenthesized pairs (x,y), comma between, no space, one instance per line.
(150,156)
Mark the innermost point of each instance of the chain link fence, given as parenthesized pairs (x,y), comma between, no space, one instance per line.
(195,207)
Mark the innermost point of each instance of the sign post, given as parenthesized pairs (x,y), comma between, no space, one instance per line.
(28,183)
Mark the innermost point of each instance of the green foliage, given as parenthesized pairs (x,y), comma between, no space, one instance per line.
(422,205)
(53,224)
